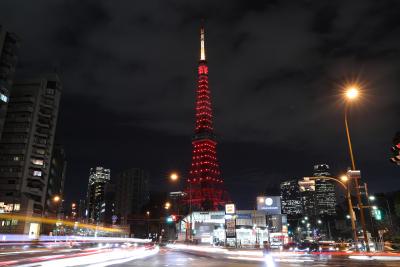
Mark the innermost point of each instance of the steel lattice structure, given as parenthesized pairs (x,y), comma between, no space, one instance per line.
(205,187)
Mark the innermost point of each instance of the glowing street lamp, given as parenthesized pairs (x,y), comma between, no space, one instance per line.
(352,92)
(56,198)
(174,176)
(344,178)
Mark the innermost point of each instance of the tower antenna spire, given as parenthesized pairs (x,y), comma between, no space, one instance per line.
(202,44)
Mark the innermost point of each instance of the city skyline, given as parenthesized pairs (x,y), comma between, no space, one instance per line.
(277,113)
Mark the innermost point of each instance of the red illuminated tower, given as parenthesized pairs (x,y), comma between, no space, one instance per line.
(205,186)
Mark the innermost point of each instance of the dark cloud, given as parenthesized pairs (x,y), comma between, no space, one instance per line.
(276,67)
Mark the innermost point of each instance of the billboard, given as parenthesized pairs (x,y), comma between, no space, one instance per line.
(230,228)
(307,185)
(270,204)
(230,209)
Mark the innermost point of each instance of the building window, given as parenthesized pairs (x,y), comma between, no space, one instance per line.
(17,158)
(37,162)
(51,84)
(37,173)
(40,151)
(3,98)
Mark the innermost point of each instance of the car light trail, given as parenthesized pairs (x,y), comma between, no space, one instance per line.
(98,258)
(54,221)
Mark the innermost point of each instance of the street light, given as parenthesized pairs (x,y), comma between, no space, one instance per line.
(372,198)
(174,176)
(56,198)
(352,93)
(148,224)
(344,178)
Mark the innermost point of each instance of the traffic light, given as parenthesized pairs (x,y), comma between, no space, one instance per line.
(396,149)
(377,214)
(172,218)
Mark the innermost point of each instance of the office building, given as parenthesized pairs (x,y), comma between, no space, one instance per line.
(325,194)
(132,192)
(55,186)
(291,199)
(110,216)
(25,150)
(98,178)
(9,43)
(307,193)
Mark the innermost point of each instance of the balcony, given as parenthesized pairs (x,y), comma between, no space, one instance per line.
(12,163)
(23,99)
(10,174)
(12,108)
(15,130)
(14,140)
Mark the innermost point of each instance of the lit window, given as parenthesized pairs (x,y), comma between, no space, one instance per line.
(37,173)
(3,98)
(17,207)
(40,151)
(37,162)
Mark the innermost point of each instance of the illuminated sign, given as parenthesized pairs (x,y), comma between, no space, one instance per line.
(230,209)
(270,204)
(5,208)
(230,228)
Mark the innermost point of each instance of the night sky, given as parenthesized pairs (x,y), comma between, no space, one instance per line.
(277,69)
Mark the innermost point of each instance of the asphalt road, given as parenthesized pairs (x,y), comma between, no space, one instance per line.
(170,258)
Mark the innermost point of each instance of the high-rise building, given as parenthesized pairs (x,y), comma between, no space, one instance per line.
(9,43)
(82,210)
(55,187)
(96,206)
(307,193)
(205,186)
(110,201)
(25,149)
(291,199)
(132,192)
(325,194)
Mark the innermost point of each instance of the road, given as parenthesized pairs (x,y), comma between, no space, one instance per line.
(171,258)
(141,256)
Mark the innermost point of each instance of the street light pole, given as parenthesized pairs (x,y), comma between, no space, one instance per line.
(352,217)
(353,165)
(174,177)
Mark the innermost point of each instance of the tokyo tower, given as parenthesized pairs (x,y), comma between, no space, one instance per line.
(205,186)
